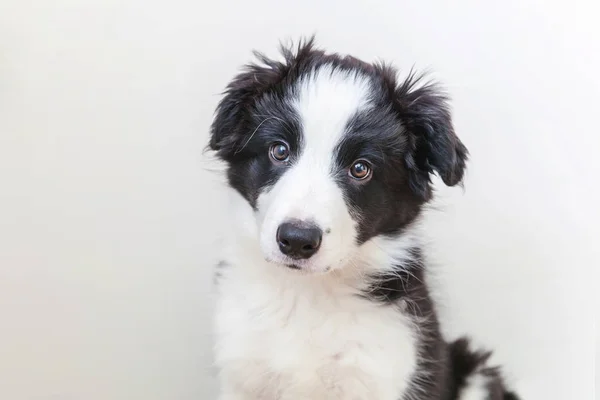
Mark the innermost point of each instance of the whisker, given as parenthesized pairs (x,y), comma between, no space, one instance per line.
(252,135)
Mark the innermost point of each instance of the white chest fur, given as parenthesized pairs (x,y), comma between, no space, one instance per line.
(287,336)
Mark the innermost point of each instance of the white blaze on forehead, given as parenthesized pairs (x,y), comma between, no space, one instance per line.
(326,100)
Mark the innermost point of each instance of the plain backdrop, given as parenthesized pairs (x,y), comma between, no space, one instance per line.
(108,212)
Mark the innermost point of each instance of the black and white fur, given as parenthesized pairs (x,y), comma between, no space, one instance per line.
(354,320)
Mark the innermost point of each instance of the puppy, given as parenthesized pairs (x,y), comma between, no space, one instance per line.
(321,291)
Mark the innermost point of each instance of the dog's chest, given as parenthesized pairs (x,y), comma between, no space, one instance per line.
(297,341)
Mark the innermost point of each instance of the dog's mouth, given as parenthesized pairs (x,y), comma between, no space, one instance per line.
(304,266)
(309,271)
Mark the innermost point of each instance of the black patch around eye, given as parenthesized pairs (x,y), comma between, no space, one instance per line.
(251,168)
(384,204)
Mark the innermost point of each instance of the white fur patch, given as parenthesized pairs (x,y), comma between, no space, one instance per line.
(325,102)
(476,388)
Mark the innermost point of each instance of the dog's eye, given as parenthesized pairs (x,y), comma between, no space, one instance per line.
(279,152)
(360,170)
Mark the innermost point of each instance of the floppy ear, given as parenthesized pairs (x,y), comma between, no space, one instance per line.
(435,147)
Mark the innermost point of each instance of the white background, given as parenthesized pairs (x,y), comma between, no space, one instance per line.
(107,212)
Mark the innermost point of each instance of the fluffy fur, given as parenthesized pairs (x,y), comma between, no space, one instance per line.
(354,320)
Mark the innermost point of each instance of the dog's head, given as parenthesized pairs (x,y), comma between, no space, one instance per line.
(331,152)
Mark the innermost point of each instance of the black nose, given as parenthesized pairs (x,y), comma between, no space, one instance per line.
(298,239)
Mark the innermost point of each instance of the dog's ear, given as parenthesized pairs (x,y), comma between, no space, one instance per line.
(434,147)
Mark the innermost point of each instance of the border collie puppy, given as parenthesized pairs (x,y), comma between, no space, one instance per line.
(321,293)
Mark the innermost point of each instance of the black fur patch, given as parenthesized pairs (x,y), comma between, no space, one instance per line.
(465,362)
(443,369)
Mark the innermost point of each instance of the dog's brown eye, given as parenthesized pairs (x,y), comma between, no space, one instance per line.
(360,170)
(279,152)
